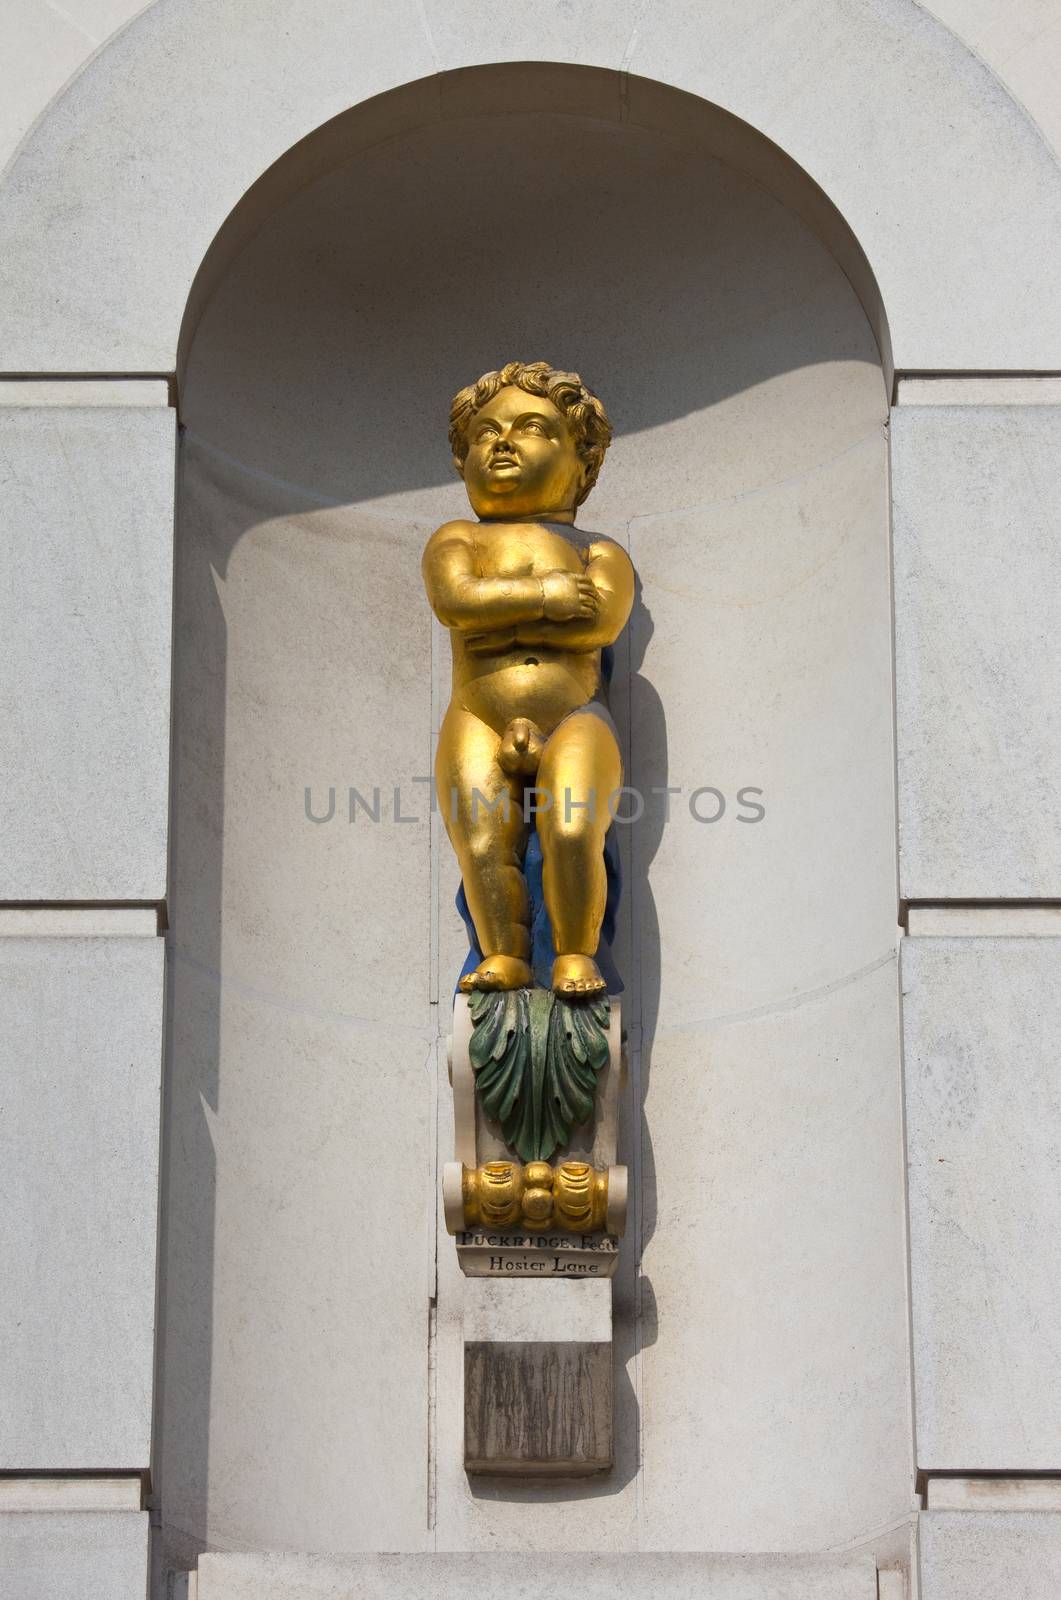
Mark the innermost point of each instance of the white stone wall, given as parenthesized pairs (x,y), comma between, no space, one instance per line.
(976,506)
(1018,39)
(86,499)
(976,579)
(104,218)
(45,45)
(984,1122)
(1021,42)
(84,290)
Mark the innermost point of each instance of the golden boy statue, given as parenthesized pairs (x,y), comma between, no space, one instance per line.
(529,601)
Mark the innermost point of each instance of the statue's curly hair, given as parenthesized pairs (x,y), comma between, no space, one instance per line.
(585,414)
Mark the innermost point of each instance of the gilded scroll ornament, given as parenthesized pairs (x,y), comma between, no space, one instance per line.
(572,1197)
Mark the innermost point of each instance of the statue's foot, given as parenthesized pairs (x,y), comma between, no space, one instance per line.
(498,972)
(576,976)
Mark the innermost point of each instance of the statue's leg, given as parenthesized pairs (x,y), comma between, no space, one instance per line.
(482,808)
(580,769)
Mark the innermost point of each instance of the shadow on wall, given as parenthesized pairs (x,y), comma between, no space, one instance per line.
(314,465)
(378,291)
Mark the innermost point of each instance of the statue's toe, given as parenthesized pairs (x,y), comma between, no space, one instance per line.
(576,977)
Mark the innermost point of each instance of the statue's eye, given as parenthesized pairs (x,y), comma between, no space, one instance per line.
(487,431)
(533,426)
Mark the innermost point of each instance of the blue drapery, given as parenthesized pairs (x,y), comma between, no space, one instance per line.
(543,949)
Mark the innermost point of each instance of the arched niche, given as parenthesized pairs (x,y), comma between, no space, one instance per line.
(309,1383)
(588,95)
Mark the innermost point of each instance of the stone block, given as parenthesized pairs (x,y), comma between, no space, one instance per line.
(42,49)
(993,1494)
(81,392)
(537,1378)
(974,390)
(958,921)
(85,1492)
(55,1555)
(530,1312)
(984,1555)
(520,1577)
(86,499)
(80,1059)
(537,1409)
(981,1019)
(976,506)
(78,922)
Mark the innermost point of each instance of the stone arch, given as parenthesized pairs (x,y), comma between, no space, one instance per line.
(590,95)
(114,198)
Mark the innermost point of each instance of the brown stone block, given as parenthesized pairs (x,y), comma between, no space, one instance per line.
(537,1408)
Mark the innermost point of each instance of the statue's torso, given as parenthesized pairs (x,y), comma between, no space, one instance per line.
(511,673)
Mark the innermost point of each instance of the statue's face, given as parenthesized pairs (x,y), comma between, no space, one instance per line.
(521,460)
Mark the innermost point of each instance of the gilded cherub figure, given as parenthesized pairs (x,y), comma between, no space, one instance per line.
(530,601)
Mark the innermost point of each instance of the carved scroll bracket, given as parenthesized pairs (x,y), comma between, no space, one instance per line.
(549,1079)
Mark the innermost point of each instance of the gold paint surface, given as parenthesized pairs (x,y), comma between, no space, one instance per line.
(502,1194)
(528,610)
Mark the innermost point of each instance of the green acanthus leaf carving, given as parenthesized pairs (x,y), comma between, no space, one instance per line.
(536,1059)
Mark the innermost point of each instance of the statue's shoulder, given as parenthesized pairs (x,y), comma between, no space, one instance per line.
(596,544)
(587,537)
(461,530)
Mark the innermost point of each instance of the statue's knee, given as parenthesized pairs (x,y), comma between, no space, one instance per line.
(571,828)
(479,849)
